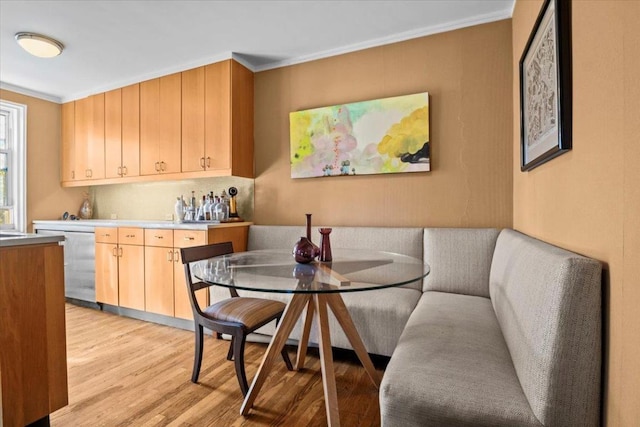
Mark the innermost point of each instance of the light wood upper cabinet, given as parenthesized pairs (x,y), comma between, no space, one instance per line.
(113,133)
(89,137)
(160,125)
(217,119)
(68,161)
(193,151)
(131,130)
(218,137)
(198,123)
(242,121)
(122,132)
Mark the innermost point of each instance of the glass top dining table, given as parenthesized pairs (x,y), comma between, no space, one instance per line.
(316,286)
(276,271)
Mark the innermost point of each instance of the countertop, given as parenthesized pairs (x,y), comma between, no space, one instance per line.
(89,225)
(21,239)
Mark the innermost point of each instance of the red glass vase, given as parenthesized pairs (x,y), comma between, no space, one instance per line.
(305,250)
(325,245)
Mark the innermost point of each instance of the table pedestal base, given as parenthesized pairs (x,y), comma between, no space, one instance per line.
(316,308)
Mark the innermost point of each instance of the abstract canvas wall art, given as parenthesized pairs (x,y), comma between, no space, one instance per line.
(389,135)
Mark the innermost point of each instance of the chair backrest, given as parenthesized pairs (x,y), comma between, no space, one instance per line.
(199,253)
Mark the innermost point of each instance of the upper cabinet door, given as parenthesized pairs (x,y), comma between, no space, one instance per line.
(170,123)
(113,133)
(67,167)
(149,131)
(131,130)
(81,134)
(218,115)
(95,149)
(242,126)
(193,104)
(160,125)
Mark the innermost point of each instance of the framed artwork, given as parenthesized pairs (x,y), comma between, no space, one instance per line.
(545,87)
(389,135)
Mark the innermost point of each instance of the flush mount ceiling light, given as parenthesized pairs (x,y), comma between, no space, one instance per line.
(39,45)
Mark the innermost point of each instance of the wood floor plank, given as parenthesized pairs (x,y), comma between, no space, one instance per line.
(126,372)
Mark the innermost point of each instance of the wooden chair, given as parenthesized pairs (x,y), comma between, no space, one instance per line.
(236,316)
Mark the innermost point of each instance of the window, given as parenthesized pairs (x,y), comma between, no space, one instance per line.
(13,151)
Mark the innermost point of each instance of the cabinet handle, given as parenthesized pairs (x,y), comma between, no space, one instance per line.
(202,162)
(170,256)
(124,170)
(176,257)
(86,173)
(208,162)
(130,236)
(90,173)
(106,235)
(189,238)
(119,171)
(115,251)
(120,252)
(73,174)
(158,237)
(157,166)
(163,166)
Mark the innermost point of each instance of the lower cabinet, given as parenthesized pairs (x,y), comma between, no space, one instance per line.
(142,268)
(158,271)
(182,305)
(120,267)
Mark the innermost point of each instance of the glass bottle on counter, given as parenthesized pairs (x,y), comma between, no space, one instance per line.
(179,210)
(220,211)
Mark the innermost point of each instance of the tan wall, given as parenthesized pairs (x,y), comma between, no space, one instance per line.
(154,200)
(468,76)
(588,200)
(46,199)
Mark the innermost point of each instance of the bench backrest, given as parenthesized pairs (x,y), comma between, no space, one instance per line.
(460,259)
(548,304)
(405,241)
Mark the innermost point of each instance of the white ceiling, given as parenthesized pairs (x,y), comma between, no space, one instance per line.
(110,44)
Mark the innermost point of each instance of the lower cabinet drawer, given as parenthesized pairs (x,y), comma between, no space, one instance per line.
(158,237)
(188,238)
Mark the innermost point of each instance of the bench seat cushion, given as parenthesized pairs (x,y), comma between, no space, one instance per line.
(379,316)
(452,367)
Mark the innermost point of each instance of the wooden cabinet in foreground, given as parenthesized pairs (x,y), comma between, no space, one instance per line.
(33,358)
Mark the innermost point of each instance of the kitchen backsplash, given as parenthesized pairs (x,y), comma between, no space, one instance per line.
(156,200)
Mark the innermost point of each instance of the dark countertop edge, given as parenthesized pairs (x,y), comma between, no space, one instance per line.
(23,239)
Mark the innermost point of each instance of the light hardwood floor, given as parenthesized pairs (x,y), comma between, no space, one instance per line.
(125,372)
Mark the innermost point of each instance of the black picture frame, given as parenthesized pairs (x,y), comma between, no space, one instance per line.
(546,87)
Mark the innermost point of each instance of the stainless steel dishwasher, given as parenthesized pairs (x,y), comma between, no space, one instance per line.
(79,264)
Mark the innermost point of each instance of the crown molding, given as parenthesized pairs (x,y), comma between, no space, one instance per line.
(30,92)
(408,35)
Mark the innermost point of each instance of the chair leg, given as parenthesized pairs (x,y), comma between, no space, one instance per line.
(285,355)
(238,357)
(230,352)
(197,359)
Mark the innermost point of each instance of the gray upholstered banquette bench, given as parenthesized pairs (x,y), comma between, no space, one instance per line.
(505,330)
